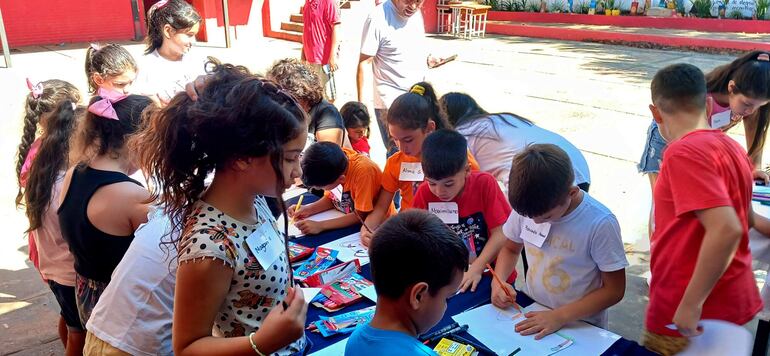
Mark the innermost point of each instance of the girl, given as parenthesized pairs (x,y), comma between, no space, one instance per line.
(739,91)
(98,229)
(495,138)
(167,65)
(233,268)
(411,117)
(355,115)
(110,67)
(41,197)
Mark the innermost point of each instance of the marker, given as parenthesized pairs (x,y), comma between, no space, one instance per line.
(476,345)
(299,204)
(440,331)
(500,282)
(515,351)
(455,330)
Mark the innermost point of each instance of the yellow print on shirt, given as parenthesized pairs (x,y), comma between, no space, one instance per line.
(554,279)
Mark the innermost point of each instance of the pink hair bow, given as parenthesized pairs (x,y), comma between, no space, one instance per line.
(36,90)
(765,57)
(103,107)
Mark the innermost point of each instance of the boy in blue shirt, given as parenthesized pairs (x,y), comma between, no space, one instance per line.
(417,264)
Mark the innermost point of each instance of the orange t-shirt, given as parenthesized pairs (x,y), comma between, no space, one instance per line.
(363,180)
(391,178)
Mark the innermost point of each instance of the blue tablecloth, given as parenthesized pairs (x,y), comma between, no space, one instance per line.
(456,305)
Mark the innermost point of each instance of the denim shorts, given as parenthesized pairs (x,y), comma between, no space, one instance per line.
(65,296)
(653,151)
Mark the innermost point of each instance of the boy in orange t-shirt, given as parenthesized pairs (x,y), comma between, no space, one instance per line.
(351,182)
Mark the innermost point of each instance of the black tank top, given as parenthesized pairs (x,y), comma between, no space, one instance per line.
(96,253)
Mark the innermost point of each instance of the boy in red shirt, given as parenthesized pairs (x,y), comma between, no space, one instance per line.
(700,258)
(470,203)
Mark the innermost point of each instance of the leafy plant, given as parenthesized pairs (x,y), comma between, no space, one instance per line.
(557,6)
(735,14)
(582,7)
(701,8)
(495,4)
(611,4)
(519,5)
(533,6)
(761,8)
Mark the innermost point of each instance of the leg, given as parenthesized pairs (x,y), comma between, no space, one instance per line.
(76,341)
(63,331)
(651,222)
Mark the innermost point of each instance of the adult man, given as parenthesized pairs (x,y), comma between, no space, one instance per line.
(319,41)
(393,44)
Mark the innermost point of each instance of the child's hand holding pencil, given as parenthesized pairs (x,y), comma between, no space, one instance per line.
(503,294)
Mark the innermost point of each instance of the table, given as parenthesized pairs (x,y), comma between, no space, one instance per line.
(469,19)
(456,304)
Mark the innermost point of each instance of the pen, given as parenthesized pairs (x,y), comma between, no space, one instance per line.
(454,330)
(500,282)
(440,331)
(362,221)
(515,351)
(299,203)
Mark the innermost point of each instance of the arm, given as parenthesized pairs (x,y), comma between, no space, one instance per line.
(335,44)
(377,216)
(472,277)
(310,227)
(329,135)
(723,235)
(364,62)
(194,314)
(506,263)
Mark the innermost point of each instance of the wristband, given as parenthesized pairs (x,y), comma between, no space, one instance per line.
(254,346)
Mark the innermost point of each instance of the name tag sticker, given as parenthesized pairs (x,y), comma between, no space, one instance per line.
(447,212)
(265,244)
(721,120)
(337,192)
(411,172)
(535,233)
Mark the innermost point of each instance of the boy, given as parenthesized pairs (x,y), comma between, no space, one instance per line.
(417,264)
(471,203)
(351,181)
(572,242)
(700,256)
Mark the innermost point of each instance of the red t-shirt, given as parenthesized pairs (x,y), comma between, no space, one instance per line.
(481,205)
(702,170)
(361,146)
(319,16)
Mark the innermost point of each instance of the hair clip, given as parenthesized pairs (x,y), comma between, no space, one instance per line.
(161,3)
(417,89)
(36,90)
(763,57)
(103,107)
(96,46)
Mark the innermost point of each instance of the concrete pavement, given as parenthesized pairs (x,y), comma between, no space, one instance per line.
(595,95)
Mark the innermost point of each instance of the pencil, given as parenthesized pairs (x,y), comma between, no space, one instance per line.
(362,221)
(299,204)
(500,282)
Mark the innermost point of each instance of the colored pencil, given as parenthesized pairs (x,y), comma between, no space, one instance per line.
(500,282)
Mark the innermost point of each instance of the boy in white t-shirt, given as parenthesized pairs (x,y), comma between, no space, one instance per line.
(572,243)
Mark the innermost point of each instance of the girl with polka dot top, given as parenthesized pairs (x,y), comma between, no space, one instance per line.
(233,268)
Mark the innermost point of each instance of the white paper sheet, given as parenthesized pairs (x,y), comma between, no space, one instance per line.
(350,248)
(369,293)
(495,329)
(587,339)
(322,216)
(719,338)
(310,293)
(292,192)
(335,349)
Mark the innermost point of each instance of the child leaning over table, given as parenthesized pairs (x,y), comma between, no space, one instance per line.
(417,264)
(572,243)
(471,203)
(351,182)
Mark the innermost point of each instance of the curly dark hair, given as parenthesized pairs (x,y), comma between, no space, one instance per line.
(298,79)
(236,115)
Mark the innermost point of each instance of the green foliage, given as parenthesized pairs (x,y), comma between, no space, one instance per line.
(735,14)
(761,8)
(701,8)
(611,4)
(557,6)
(582,7)
(519,5)
(533,6)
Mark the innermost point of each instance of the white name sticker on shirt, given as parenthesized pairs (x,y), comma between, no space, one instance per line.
(721,120)
(447,212)
(265,245)
(337,192)
(411,172)
(535,233)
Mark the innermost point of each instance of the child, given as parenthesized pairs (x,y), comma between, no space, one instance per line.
(572,242)
(701,260)
(417,265)
(110,67)
(411,118)
(495,138)
(41,196)
(167,65)
(97,229)
(357,120)
(352,183)
(249,134)
(471,203)
(739,91)
(304,85)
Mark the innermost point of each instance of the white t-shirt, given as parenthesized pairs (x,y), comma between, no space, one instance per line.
(494,142)
(135,312)
(165,78)
(398,47)
(578,246)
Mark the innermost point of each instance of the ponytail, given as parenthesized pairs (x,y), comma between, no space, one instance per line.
(107,61)
(416,108)
(176,13)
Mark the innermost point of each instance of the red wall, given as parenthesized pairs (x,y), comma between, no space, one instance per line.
(430,16)
(32,22)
